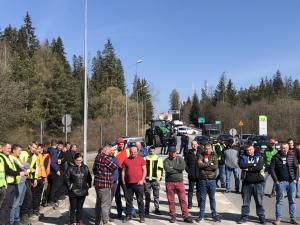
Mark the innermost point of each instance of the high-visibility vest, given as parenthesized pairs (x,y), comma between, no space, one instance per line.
(15,160)
(31,160)
(154,166)
(43,171)
(2,173)
(12,166)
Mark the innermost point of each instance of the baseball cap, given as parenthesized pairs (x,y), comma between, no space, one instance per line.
(120,140)
(172,149)
(272,141)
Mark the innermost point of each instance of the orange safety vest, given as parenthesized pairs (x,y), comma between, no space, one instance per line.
(43,170)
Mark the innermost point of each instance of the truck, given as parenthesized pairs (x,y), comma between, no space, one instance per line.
(211,130)
(159,132)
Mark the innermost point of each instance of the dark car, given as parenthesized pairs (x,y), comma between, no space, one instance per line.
(225,138)
(201,140)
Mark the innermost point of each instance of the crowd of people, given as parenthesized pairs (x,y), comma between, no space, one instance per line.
(31,177)
(43,176)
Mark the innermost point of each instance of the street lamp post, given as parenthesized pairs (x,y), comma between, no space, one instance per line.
(85,114)
(126,117)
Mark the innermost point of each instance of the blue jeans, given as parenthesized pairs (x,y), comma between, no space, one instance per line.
(290,188)
(235,172)
(207,187)
(221,175)
(267,174)
(257,190)
(18,200)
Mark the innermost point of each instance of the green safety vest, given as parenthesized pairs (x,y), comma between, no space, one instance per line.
(2,173)
(12,166)
(154,167)
(31,160)
(15,160)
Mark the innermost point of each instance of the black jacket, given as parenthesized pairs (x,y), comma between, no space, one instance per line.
(191,163)
(277,164)
(207,167)
(78,180)
(251,172)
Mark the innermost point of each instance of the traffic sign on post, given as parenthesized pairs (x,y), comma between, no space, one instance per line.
(66,120)
(232,132)
(241,123)
(201,120)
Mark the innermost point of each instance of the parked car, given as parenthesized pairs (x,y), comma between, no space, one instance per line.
(225,138)
(192,131)
(202,139)
(181,130)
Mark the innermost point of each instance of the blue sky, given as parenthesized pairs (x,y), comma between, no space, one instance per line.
(182,43)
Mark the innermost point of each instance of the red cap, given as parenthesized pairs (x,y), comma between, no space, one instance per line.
(272,141)
(120,140)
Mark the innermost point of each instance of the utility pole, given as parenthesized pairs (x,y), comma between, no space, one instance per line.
(85,114)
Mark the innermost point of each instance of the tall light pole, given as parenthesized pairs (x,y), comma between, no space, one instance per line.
(85,114)
(137,93)
(126,117)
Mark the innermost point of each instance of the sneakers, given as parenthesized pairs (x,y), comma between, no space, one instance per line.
(126,219)
(142,220)
(172,220)
(199,219)
(277,221)
(242,220)
(190,206)
(294,221)
(188,220)
(217,218)
(157,212)
(262,221)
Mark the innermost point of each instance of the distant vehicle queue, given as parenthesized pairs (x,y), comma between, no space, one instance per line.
(43,176)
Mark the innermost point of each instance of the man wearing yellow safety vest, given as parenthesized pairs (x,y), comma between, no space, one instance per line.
(29,157)
(11,172)
(18,200)
(219,151)
(2,180)
(154,166)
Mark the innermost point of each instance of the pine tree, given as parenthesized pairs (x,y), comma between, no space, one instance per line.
(195,110)
(231,97)
(32,41)
(174,100)
(58,49)
(107,70)
(278,86)
(220,92)
(296,90)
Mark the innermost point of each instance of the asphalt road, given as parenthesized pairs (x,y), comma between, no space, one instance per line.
(228,205)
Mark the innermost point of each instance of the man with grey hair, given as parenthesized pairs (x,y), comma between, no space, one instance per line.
(133,177)
(103,169)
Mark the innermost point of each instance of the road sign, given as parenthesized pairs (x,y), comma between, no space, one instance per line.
(263,125)
(218,122)
(66,120)
(68,129)
(201,120)
(232,131)
(241,123)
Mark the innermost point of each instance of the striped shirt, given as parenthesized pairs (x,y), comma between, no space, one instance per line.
(103,171)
